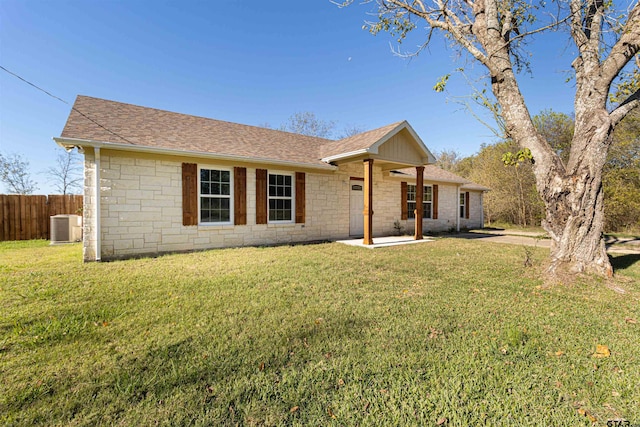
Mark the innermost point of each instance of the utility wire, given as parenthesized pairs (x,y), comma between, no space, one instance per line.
(65,102)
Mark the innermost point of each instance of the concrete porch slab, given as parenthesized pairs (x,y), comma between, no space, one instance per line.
(385,241)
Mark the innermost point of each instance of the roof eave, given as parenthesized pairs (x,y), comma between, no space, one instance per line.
(475,187)
(345,156)
(409,176)
(69,143)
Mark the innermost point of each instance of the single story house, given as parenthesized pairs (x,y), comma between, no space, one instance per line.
(157,181)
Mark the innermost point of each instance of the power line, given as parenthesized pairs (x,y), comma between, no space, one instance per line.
(65,102)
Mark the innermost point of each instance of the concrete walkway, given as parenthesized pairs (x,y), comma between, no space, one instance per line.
(516,237)
(513,237)
(385,242)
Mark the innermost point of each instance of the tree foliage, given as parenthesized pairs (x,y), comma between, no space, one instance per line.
(513,198)
(622,177)
(557,130)
(67,173)
(306,123)
(448,160)
(14,173)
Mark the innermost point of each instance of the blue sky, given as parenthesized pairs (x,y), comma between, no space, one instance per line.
(251,62)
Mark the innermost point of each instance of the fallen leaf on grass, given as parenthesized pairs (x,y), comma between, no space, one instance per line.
(442,421)
(630,320)
(602,351)
(434,333)
(586,413)
(261,367)
(559,353)
(294,409)
(330,412)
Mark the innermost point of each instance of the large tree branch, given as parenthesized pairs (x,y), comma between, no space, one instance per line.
(593,27)
(530,33)
(625,48)
(577,32)
(450,24)
(625,108)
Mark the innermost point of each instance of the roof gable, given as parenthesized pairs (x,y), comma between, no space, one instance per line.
(372,142)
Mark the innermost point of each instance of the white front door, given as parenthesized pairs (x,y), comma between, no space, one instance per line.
(356,208)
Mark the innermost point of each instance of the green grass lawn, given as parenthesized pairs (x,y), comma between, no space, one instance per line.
(451,332)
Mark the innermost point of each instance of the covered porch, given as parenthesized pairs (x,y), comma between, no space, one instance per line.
(387,149)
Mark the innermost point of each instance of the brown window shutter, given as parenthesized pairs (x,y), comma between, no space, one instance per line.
(434,195)
(189,194)
(466,205)
(300,197)
(261,196)
(240,196)
(403,201)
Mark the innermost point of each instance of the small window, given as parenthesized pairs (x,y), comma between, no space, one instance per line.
(462,205)
(215,196)
(280,198)
(426,201)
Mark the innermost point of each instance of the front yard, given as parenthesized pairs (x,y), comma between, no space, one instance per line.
(450,332)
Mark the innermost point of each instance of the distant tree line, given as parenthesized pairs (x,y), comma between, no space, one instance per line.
(65,176)
(513,197)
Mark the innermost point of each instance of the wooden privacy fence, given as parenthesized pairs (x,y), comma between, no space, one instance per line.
(27,217)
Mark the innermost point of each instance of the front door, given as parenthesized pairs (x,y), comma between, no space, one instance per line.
(356,208)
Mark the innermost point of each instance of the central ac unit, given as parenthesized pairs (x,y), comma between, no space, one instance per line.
(66,228)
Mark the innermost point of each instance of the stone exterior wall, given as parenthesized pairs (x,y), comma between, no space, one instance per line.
(447,210)
(88,208)
(475,211)
(141,208)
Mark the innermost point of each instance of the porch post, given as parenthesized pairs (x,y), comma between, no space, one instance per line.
(368,202)
(419,197)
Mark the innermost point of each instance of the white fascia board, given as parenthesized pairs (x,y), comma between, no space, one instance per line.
(74,142)
(343,156)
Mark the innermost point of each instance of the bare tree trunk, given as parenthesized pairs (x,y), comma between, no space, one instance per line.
(574,202)
(578,243)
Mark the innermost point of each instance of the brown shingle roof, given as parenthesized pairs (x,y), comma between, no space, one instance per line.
(437,174)
(149,127)
(110,122)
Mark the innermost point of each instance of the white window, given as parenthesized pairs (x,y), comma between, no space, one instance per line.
(462,205)
(426,201)
(280,197)
(215,198)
